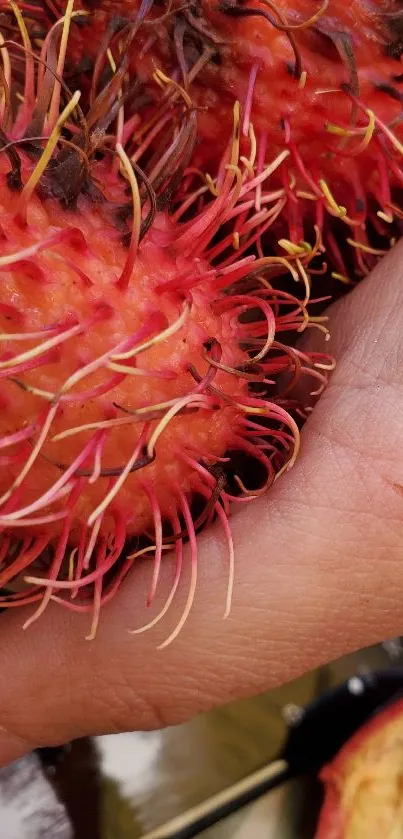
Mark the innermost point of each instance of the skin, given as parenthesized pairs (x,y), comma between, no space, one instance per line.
(318,569)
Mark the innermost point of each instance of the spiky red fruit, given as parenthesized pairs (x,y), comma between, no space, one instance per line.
(139,351)
(363,785)
(319,81)
(85,351)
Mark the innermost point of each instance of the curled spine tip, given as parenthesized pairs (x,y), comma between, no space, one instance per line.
(118,483)
(45,158)
(97,595)
(129,172)
(53,573)
(178,570)
(29,87)
(45,426)
(185,509)
(5,103)
(55,101)
(156,512)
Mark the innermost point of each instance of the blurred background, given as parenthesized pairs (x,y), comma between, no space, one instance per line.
(121,786)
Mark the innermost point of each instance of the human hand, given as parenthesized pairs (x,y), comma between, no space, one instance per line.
(319,568)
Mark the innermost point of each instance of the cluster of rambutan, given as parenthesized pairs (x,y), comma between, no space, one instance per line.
(181,185)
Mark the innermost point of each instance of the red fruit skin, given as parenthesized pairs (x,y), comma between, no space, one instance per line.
(334,821)
(61,297)
(337,119)
(251,42)
(361,29)
(277,95)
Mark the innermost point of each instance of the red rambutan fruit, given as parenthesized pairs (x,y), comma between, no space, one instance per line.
(321,82)
(363,785)
(139,350)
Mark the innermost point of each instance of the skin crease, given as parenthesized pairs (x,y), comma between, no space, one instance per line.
(318,569)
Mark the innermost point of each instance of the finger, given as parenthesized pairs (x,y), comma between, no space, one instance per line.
(318,569)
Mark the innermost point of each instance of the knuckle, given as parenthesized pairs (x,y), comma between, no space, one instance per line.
(122,704)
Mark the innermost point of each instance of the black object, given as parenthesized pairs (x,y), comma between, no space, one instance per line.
(331,719)
(51,756)
(313,740)
(75,775)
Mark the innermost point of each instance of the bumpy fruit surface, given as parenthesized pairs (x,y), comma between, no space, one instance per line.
(322,82)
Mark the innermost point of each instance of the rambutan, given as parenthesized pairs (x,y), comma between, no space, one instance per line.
(140,358)
(320,82)
(363,785)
